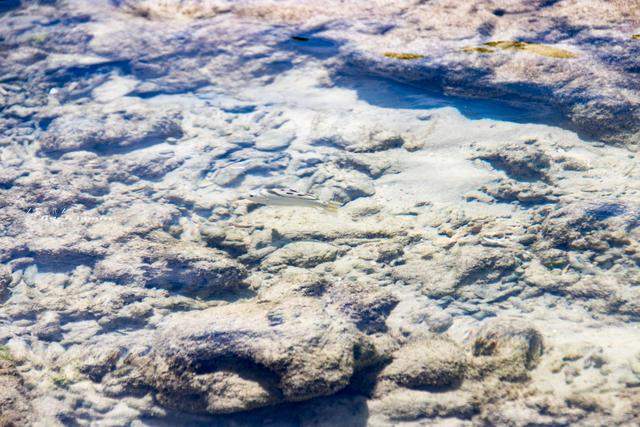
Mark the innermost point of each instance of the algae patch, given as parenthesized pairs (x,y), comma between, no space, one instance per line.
(60,381)
(636,36)
(536,48)
(5,353)
(403,56)
(477,49)
(39,38)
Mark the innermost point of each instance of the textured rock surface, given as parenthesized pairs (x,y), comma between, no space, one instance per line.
(428,362)
(583,63)
(14,397)
(483,269)
(243,356)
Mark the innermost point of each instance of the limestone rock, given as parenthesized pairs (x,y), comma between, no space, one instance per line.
(15,407)
(243,356)
(482,264)
(425,362)
(378,141)
(189,269)
(519,161)
(302,254)
(508,349)
(195,9)
(47,327)
(110,132)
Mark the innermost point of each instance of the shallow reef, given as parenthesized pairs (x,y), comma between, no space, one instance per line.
(483,268)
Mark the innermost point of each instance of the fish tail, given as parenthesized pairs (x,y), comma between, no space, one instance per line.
(331,207)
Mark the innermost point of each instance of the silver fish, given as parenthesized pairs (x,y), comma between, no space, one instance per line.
(290,197)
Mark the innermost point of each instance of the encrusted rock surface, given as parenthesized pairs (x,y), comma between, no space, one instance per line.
(574,58)
(14,396)
(483,268)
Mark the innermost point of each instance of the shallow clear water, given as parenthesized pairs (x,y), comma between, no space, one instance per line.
(131,143)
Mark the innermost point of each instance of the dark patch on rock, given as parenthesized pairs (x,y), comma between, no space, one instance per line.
(519,161)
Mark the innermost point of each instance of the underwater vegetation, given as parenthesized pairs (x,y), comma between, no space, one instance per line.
(478,49)
(403,56)
(5,353)
(636,36)
(537,48)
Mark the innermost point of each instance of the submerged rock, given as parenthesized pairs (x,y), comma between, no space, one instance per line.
(378,141)
(478,264)
(243,356)
(302,254)
(184,268)
(426,362)
(111,132)
(519,161)
(15,408)
(195,9)
(533,68)
(507,349)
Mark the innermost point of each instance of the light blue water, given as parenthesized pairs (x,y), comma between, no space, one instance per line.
(387,93)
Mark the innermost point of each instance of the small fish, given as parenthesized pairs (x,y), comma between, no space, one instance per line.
(290,197)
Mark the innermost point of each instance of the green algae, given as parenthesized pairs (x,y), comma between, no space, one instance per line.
(403,56)
(61,381)
(5,353)
(39,38)
(536,48)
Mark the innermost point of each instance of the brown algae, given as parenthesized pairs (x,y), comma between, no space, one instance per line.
(403,56)
(636,36)
(536,48)
(477,49)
